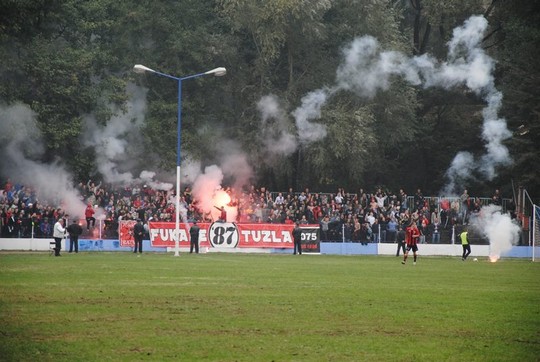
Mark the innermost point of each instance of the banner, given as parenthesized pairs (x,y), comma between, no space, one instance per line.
(228,235)
(311,239)
(125,233)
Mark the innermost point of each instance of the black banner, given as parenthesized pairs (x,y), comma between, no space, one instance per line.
(311,239)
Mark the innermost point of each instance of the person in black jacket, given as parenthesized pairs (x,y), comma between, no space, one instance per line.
(297,237)
(400,240)
(194,238)
(138,234)
(74,230)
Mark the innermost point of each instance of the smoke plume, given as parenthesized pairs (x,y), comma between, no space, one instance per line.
(277,138)
(208,194)
(499,228)
(22,147)
(367,69)
(118,141)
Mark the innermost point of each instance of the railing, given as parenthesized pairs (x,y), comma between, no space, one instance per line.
(448,235)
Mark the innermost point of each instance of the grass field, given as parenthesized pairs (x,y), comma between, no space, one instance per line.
(260,307)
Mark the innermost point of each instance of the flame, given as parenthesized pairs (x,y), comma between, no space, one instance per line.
(494,258)
(222,198)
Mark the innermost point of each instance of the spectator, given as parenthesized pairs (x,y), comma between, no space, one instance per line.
(465,205)
(357,231)
(12,223)
(435,231)
(45,227)
(74,230)
(59,233)
(89,215)
(496,198)
(391,230)
(222,214)
(418,199)
(280,200)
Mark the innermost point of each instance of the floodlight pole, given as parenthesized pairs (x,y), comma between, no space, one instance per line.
(139,68)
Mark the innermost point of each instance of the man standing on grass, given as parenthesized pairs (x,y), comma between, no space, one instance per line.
(138,234)
(401,235)
(194,238)
(464,236)
(297,237)
(74,230)
(412,236)
(59,233)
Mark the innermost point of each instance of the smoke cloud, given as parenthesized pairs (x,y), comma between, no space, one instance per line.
(117,144)
(499,228)
(23,147)
(277,138)
(117,141)
(367,69)
(208,194)
(310,109)
(148,178)
(234,163)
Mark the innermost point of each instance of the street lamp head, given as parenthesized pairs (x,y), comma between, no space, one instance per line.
(218,72)
(139,68)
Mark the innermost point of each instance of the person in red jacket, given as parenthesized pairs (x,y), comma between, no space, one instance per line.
(412,236)
(222,214)
(89,215)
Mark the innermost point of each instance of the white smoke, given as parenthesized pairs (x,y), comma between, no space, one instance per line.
(459,169)
(234,163)
(367,69)
(310,109)
(274,127)
(499,228)
(116,142)
(21,142)
(147,177)
(190,170)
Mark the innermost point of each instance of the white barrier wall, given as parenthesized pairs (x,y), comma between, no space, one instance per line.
(27,244)
(437,249)
(326,248)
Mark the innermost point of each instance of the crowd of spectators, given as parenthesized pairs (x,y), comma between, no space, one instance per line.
(343,216)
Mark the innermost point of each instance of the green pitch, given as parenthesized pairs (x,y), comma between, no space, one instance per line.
(237,307)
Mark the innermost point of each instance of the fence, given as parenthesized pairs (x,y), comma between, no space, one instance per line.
(103,229)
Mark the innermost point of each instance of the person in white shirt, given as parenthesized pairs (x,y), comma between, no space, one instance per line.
(279,199)
(59,232)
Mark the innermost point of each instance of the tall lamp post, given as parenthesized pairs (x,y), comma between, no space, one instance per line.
(139,68)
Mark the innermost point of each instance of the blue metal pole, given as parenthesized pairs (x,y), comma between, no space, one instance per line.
(178,168)
(178,158)
(218,71)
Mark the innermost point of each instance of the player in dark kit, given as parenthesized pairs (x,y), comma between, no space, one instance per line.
(412,236)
